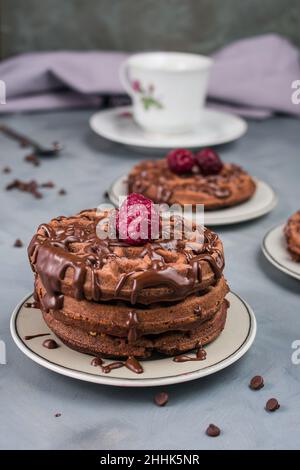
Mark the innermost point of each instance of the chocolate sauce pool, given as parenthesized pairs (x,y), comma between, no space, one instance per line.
(199,356)
(131,363)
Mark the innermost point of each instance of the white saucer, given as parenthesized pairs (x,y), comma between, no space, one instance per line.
(275,250)
(262,202)
(215,128)
(231,345)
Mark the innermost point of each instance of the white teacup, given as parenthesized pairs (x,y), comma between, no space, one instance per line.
(168,89)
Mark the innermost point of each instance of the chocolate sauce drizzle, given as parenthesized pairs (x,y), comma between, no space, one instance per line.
(27,338)
(53,257)
(131,324)
(200,355)
(131,363)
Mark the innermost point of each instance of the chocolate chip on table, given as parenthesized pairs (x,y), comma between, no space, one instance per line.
(272,404)
(213,430)
(62,192)
(57,415)
(32,158)
(256,383)
(6,169)
(18,243)
(48,184)
(161,399)
(24,143)
(30,187)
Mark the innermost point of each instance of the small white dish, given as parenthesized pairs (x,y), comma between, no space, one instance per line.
(275,250)
(263,201)
(231,345)
(214,128)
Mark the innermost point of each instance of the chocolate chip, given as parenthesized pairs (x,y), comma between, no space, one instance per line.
(48,184)
(106,195)
(32,158)
(30,187)
(62,192)
(57,415)
(6,169)
(14,184)
(161,399)
(272,404)
(213,430)
(256,383)
(24,143)
(18,243)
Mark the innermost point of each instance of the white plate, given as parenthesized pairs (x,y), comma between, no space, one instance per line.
(275,250)
(215,128)
(263,201)
(235,340)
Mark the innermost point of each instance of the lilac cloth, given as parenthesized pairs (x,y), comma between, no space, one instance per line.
(256,75)
(53,80)
(251,77)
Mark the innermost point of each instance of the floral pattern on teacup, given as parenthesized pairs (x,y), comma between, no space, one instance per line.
(146,95)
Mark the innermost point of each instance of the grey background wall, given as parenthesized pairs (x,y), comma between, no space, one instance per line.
(192,25)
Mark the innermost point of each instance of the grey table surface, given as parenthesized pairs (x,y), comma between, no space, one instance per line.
(101,417)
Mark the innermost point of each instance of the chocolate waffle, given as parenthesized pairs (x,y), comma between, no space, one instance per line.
(292,235)
(155,180)
(108,298)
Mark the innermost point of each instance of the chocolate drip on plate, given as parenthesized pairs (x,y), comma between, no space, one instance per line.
(27,338)
(96,361)
(131,363)
(50,344)
(199,356)
(113,365)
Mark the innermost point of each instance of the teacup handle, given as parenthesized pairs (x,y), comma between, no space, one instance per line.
(124,77)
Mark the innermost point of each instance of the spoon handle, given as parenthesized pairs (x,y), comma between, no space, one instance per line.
(23,140)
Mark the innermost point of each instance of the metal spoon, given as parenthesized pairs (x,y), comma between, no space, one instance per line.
(25,141)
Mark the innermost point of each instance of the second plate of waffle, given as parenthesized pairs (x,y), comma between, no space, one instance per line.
(263,201)
(281,246)
(187,180)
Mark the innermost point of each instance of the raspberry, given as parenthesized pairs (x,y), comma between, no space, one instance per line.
(181,161)
(209,162)
(134,220)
